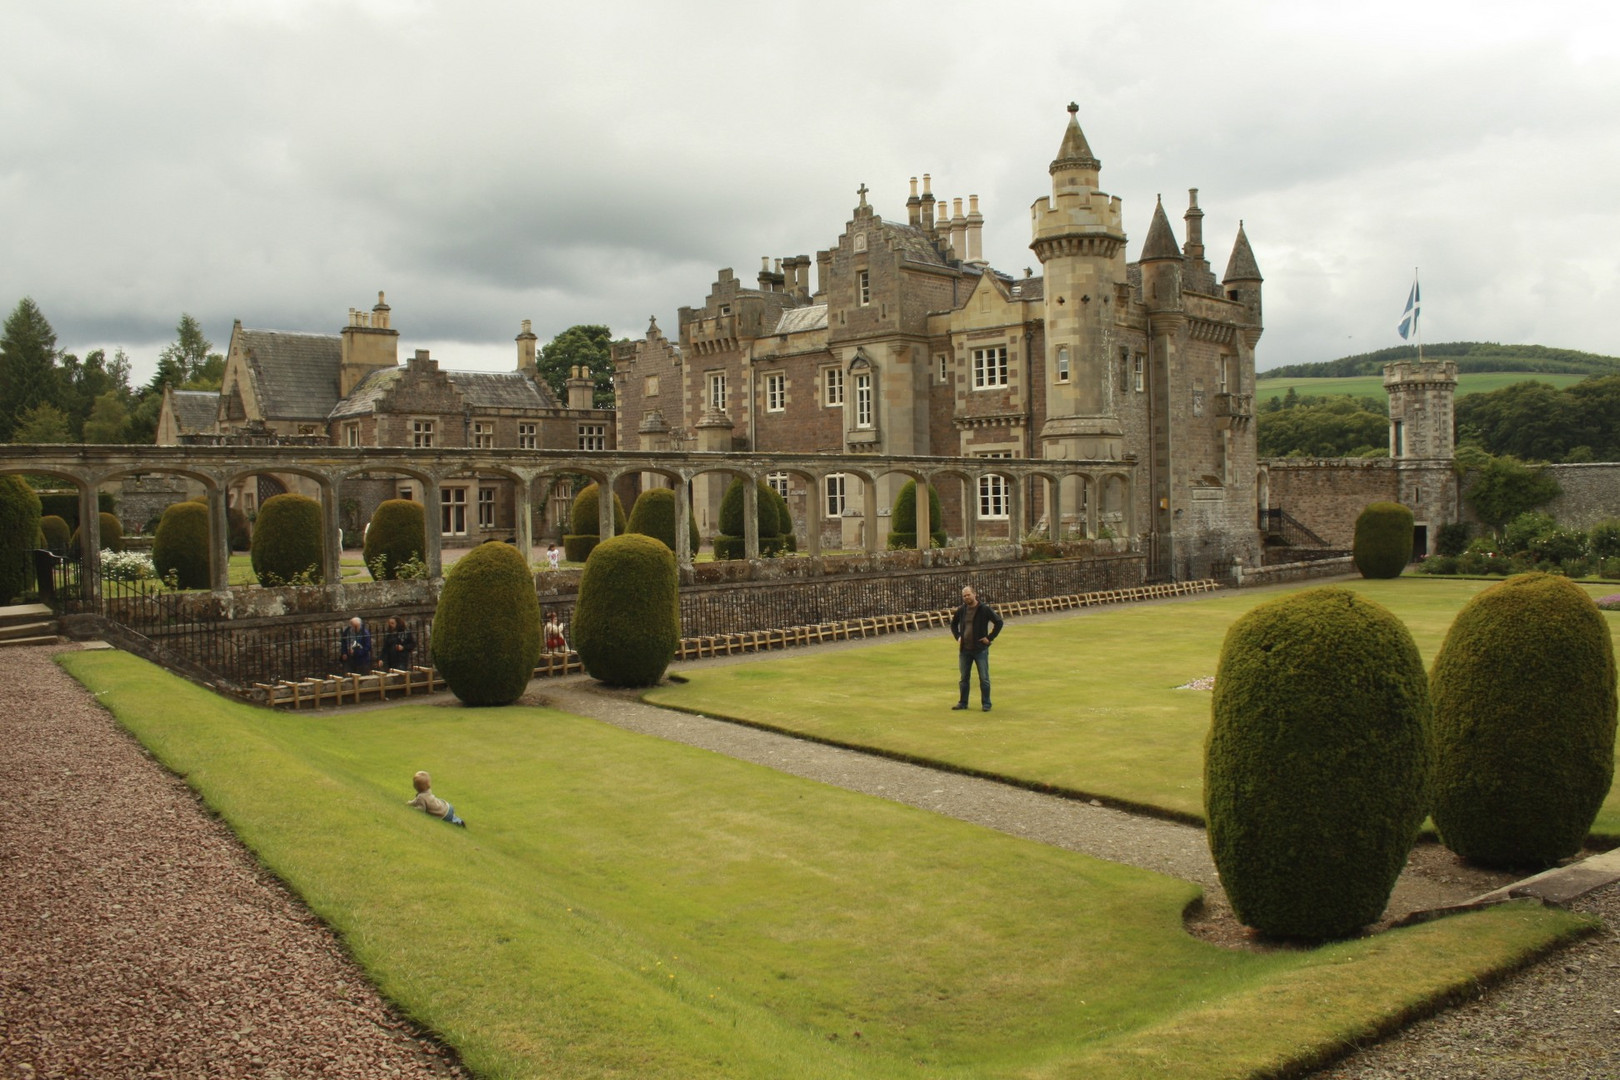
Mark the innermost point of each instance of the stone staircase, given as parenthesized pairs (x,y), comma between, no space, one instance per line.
(27,624)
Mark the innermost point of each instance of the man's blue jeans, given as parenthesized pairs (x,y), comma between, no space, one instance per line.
(967,661)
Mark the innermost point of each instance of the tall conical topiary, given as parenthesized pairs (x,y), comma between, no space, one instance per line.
(584,524)
(903,521)
(627,622)
(654,515)
(397,534)
(486,629)
(180,546)
(287,540)
(19,532)
(1524,698)
(1383,541)
(1317,763)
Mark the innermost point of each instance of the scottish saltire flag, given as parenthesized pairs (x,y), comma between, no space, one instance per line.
(1414,304)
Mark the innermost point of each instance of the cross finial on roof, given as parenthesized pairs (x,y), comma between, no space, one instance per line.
(861,191)
(1073,107)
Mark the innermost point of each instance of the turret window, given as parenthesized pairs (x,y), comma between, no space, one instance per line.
(1141,380)
(990,368)
(717,391)
(1063,363)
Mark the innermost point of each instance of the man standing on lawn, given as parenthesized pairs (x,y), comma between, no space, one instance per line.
(974,626)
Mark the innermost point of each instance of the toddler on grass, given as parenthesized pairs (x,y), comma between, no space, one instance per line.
(427,801)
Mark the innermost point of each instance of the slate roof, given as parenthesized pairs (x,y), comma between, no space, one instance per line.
(912,243)
(1028,288)
(501,390)
(295,376)
(195,410)
(366,393)
(797,319)
(1161,239)
(1242,267)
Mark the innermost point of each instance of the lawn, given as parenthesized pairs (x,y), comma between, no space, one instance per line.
(1089,704)
(626,906)
(1373,385)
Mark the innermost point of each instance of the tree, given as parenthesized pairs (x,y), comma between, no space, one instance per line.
(28,375)
(107,420)
(44,423)
(1506,487)
(187,359)
(589,346)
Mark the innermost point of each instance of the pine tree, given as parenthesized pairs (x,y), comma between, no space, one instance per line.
(28,375)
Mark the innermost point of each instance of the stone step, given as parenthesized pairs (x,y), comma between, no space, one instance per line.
(30,630)
(25,613)
(47,639)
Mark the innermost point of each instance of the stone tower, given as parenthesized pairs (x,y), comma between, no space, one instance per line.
(368,344)
(1079,237)
(1421,394)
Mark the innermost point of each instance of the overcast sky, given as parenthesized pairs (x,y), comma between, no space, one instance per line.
(280,161)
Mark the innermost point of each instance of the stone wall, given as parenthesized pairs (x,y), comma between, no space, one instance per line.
(1591,494)
(1327,495)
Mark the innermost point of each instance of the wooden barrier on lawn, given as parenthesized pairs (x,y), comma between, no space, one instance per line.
(352,689)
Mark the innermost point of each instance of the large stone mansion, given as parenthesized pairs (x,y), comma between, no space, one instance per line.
(911,343)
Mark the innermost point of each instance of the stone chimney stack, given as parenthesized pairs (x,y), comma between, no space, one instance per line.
(914,206)
(368,344)
(926,205)
(527,362)
(975,232)
(581,388)
(958,230)
(1194,248)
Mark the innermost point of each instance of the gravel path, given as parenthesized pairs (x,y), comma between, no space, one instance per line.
(138,938)
(153,945)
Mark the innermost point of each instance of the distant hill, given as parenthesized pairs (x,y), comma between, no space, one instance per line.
(1472,357)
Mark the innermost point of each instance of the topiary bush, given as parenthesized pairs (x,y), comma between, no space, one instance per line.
(1317,763)
(486,628)
(56,533)
(627,621)
(1383,542)
(654,515)
(240,528)
(112,533)
(180,546)
(1524,696)
(585,524)
(770,508)
(397,534)
(1452,539)
(287,540)
(19,533)
(903,521)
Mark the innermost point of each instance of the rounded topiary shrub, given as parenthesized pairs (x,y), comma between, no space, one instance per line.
(903,522)
(287,540)
(19,533)
(1317,763)
(654,515)
(769,511)
(180,546)
(1524,699)
(112,533)
(397,534)
(56,533)
(1383,543)
(627,622)
(585,524)
(486,629)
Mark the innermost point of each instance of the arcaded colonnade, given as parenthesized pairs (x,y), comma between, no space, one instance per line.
(216,468)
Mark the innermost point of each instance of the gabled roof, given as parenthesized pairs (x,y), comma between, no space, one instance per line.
(501,390)
(794,320)
(369,390)
(295,376)
(195,410)
(912,243)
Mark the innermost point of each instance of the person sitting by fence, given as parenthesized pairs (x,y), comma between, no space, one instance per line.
(555,642)
(355,647)
(398,643)
(430,803)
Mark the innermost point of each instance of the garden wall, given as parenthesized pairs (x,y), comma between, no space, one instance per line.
(1591,494)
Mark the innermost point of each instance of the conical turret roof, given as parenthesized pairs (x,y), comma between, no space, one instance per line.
(1075,152)
(1241,266)
(1161,241)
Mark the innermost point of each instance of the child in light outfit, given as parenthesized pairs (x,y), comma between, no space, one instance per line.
(427,801)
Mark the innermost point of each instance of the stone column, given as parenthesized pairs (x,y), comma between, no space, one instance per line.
(522,517)
(219,540)
(683,527)
(750,495)
(869,508)
(89,539)
(331,531)
(432,538)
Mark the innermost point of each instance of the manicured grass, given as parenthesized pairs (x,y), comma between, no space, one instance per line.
(1373,385)
(626,906)
(1086,704)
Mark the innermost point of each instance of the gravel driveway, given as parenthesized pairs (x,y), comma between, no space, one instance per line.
(141,940)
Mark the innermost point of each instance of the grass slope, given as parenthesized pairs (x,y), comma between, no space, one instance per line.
(623,906)
(1087,704)
(1482,382)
